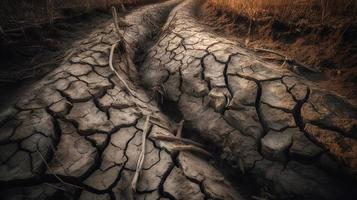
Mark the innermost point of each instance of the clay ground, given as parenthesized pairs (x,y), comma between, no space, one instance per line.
(296,33)
(162,107)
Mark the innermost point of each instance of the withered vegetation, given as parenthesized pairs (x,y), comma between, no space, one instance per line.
(319,33)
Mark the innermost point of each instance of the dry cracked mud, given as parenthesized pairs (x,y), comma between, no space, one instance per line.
(77,133)
(295,138)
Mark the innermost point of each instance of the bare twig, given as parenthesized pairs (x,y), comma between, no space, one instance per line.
(142,155)
(115,71)
(121,44)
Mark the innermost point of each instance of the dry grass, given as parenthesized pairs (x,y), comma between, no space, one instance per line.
(318,33)
(16,14)
(315,11)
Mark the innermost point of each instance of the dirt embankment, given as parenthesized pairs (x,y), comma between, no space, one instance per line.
(331,47)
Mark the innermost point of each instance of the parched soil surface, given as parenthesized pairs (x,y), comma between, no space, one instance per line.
(330,46)
(79,132)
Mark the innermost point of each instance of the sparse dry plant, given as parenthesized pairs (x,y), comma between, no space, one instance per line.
(316,11)
(15,14)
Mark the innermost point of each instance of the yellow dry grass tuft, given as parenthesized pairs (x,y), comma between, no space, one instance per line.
(316,11)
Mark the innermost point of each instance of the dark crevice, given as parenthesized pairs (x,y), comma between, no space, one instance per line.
(243,183)
(170,109)
(166,174)
(297,111)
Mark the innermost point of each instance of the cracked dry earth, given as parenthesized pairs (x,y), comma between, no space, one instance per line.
(77,133)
